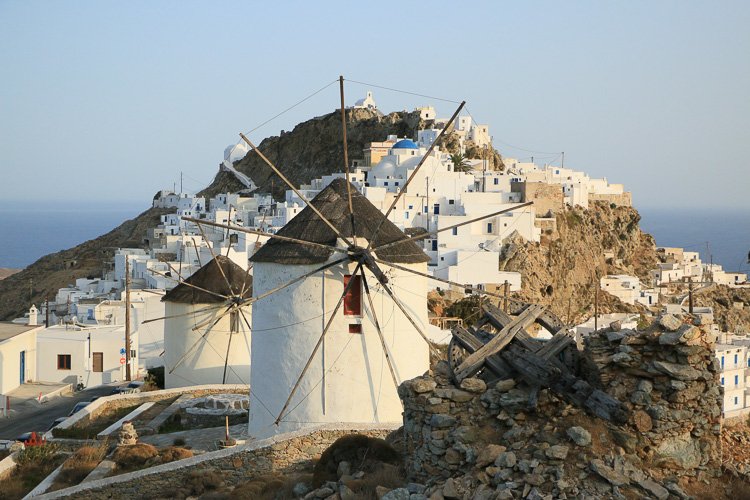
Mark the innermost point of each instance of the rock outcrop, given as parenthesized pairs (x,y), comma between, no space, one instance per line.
(479,442)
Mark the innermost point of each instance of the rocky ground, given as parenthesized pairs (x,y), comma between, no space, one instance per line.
(731,307)
(58,270)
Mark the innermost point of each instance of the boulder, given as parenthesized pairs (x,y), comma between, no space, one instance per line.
(423,385)
(680,372)
(670,322)
(473,385)
(579,436)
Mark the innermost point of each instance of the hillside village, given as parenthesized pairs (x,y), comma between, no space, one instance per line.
(223,292)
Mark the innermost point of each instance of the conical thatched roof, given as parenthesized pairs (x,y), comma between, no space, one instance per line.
(210,278)
(333,203)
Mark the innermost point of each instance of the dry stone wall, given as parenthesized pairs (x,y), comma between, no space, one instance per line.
(669,376)
(286,453)
(476,438)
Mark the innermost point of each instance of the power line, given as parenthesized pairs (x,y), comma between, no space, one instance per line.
(404,91)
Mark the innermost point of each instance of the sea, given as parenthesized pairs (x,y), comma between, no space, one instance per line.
(30,231)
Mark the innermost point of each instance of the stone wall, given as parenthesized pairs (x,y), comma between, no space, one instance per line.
(546,197)
(666,375)
(669,377)
(285,453)
(621,200)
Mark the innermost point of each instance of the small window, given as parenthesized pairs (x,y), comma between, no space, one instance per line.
(722,380)
(735,359)
(132,353)
(63,361)
(353,298)
(736,380)
(735,400)
(451,202)
(455,231)
(385,183)
(355,328)
(489,227)
(406,215)
(496,180)
(722,361)
(234,238)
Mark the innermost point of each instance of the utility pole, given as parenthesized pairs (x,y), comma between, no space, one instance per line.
(505,294)
(596,309)
(46,312)
(690,295)
(568,318)
(180,182)
(563,160)
(127,319)
(427,205)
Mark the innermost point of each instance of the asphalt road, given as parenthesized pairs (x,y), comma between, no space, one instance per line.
(38,418)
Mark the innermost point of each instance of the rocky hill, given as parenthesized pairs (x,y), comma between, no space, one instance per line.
(568,262)
(58,270)
(316,148)
(5,272)
(731,307)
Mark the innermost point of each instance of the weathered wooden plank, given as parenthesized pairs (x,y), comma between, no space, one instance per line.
(578,392)
(556,344)
(474,362)
(471,344)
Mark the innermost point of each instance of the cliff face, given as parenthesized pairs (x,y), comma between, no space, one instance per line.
(58,270)
(731,307)
(568,261)
(316,147)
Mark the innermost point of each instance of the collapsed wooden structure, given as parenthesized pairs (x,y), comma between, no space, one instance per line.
(511,352)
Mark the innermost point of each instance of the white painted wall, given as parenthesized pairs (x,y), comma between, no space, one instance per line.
(205,364)
(10,360)
(348,379)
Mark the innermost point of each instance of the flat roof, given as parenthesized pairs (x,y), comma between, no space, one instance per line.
(10,330)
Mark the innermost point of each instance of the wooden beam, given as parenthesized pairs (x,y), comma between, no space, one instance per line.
(471,344)
(475,361)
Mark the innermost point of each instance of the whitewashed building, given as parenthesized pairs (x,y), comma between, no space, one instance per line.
(17,355)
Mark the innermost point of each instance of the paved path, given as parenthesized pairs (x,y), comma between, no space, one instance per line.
(28,415)
(198,439)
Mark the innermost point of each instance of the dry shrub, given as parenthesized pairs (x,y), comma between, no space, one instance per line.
(134,456)
(201,482)
(386,475)
(81,463)
(362,452)
(269,487)
(172,454)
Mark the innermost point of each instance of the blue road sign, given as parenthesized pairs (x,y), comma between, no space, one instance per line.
(122,351)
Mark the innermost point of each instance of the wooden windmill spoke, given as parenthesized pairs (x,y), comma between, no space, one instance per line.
(229,221)
(421,162)
(162,259)
(205,309)
(478,290)
(295,280)
(187,284)
(377,327)
(197,253)
(233,318)
(348,243)
(425,235)
(215,261)
(413,323)
(260,233)
(202,337)
(255,247)
(204,323)
(320,341)
(346,161)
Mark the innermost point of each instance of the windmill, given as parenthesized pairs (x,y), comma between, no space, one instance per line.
(330,277)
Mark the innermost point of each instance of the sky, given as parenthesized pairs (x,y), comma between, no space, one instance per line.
(114,100)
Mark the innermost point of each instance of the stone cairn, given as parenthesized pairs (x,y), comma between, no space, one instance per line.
(128,435)
(489,442)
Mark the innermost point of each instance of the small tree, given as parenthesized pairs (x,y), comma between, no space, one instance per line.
(460,164)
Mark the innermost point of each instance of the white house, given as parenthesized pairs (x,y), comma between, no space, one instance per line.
(733,358)
(624,287)
(17,355)
(348,379)
(86,354)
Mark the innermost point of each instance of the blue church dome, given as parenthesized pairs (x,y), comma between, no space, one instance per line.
(405,144)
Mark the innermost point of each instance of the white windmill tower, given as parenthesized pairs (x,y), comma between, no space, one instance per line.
(206,329)
(330,359)
(367,334)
